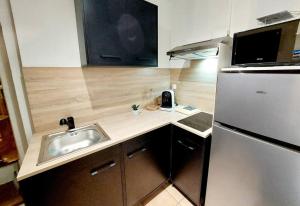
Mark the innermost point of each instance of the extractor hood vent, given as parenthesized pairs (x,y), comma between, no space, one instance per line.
(200,50)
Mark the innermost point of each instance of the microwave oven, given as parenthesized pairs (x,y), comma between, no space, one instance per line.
(273,45)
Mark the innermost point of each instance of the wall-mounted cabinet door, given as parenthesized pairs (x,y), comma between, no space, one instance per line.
(147,163)
(92,180)
(104,28)
(141,40)
(118,32)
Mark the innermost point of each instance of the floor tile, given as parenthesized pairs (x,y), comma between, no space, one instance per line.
(164,198)
(175,193)
(185,202)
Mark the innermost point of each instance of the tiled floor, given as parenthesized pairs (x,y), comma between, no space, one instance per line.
(169,197)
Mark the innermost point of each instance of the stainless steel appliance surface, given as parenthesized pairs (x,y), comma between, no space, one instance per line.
(199,50)
(62,143)
(255,152)
(272,45)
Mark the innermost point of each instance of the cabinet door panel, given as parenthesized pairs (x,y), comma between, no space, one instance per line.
(103,30)
(142,39)
(120,32)
(147,161)
(188,160)
(93,180)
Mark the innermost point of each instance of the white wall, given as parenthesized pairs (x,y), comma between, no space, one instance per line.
(198,20)
(245,12)
(164,30)
(11,100)
(46,32)
(7,173)
(15,64)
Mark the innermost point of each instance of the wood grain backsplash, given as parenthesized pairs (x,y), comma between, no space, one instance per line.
(89,93)
(196,85)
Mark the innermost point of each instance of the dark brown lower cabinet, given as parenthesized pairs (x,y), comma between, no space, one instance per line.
(125,174)
(92,180)
(147,163)
(190,155)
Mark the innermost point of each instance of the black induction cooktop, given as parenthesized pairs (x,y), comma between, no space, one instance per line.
(201,121)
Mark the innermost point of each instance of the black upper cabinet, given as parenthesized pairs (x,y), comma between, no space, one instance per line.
(117,32)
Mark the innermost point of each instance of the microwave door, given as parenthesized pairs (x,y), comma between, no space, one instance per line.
(267,46)
(257,48)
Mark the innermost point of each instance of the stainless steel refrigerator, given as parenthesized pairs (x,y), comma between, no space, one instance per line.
(255,152)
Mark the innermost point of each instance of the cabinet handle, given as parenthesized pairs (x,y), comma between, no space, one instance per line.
(143,59)
(103,56)
(186,146)
(102,168)
(132,154)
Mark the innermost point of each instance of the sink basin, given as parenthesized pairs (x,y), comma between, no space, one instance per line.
(59,144)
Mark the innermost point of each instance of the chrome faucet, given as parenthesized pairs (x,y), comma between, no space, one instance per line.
(69,121)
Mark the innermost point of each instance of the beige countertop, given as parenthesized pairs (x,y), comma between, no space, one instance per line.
(119,128)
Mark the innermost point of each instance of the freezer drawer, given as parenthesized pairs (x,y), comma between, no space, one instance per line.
(249,172)
(266,104)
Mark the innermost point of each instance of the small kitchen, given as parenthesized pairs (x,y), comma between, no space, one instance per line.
(133,102)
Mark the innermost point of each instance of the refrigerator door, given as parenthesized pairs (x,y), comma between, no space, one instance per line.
(245,171)
(266,104)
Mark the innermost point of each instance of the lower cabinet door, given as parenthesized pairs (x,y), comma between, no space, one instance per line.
(189,164)
(147,163)
(92,180)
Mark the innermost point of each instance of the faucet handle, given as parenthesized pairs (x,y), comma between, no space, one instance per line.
(63,121)
(69,121)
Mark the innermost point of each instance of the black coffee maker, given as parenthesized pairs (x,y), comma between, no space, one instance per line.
(167,100)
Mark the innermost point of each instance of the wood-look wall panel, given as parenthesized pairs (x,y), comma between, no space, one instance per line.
(196,85)
(89,93)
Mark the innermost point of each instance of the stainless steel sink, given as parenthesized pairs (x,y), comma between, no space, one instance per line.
(59,144)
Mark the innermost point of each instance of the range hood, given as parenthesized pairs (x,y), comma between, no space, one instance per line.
(199,50)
